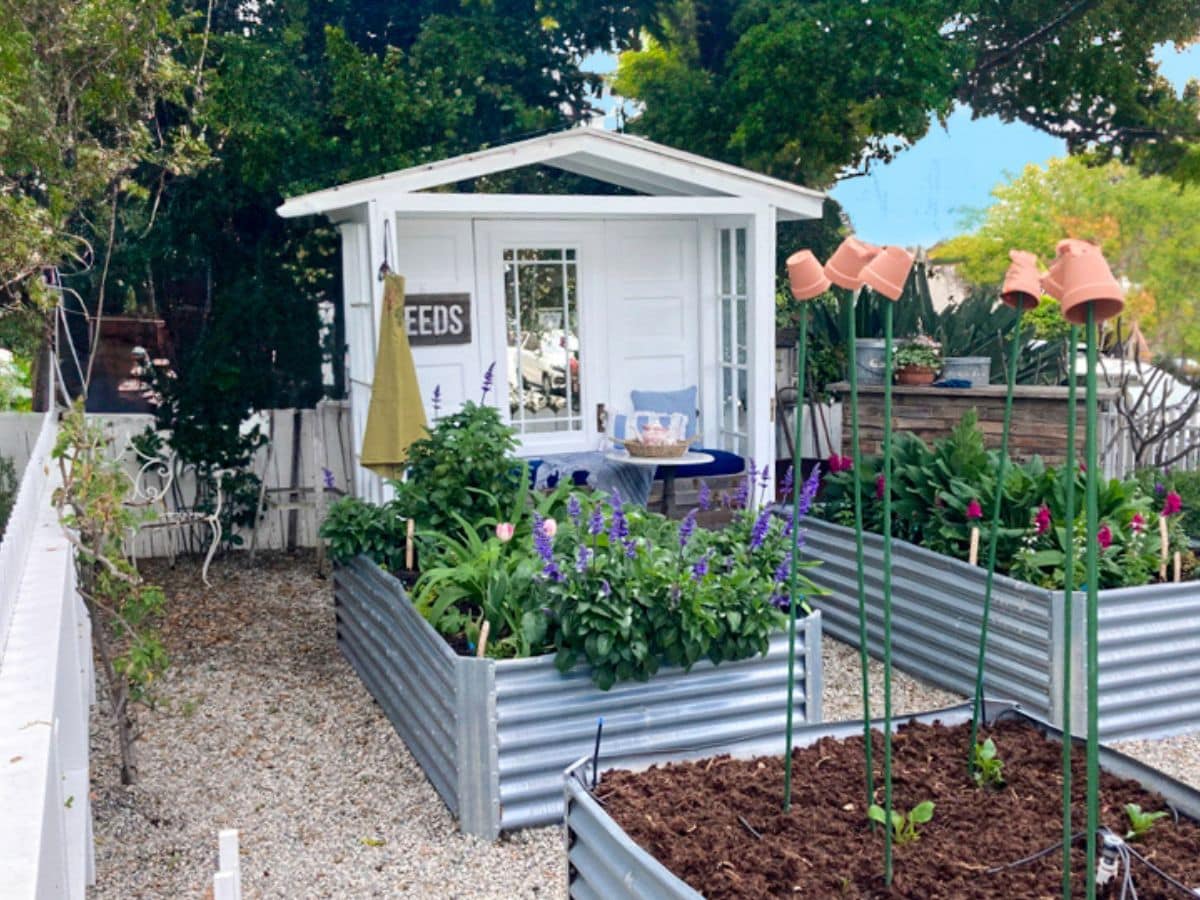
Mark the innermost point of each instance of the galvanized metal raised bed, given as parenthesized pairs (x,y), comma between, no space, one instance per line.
(604,863)
(493,736)
(1149,636)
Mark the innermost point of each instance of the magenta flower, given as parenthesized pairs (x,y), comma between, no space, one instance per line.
(974,510)
(879,485)
(1172,505)
(1042,520)
(1104,537)
(1138,523)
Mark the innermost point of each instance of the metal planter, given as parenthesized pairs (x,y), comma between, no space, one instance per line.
(604,862)
(493,736)
(1149,636)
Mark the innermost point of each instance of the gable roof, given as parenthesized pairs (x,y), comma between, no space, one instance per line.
(622,159)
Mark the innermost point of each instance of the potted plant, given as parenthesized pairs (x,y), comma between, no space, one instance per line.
(917,361)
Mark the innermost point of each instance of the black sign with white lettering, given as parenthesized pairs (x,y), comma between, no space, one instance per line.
(437,319)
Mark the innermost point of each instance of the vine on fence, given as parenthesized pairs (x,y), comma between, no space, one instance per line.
(124,608)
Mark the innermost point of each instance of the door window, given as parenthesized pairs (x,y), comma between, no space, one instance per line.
(734,368)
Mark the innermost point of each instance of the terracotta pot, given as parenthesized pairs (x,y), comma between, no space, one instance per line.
(917,375)
(1080,276)
(1022,281)
(845,267)
(887,272)
(806,275)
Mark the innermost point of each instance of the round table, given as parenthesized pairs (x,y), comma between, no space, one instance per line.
(691,458)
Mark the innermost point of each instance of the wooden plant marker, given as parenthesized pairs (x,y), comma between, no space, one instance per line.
(974,553)
(1165,552)
(408,546)
(1178,566)
(483,638)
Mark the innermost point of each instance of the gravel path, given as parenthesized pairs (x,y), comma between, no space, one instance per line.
(269,731)
(266,729)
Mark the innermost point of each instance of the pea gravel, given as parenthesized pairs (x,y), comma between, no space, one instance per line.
(265,728)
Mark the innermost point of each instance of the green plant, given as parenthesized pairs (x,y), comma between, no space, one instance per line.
(923,352)
(904,826)
(15,392)
(353,526)
(464,468)
(1158,483)
(1140,822)
(986,766)
(8,491)
(123,608)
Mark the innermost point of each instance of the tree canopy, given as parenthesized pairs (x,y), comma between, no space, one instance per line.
(1147,226)
(809,89)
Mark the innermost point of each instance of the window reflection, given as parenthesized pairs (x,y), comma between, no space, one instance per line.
(542,317)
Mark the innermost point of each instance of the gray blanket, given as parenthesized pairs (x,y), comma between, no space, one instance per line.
(603,474)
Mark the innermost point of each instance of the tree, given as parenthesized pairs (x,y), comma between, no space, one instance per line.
(1147,226)
(810,89)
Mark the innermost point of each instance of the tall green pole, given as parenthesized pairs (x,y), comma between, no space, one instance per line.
(1069,469)
(887,592)
(994,535)
(864,656)
(1093,662)
(801,354)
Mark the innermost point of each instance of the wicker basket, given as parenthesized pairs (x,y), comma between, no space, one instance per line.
(671,450)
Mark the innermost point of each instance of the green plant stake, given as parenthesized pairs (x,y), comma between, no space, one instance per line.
(860,572)
(801,351)
(1093,561)
(994,537)
(887,590)
(1069,467)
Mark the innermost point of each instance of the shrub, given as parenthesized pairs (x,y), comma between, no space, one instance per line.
(8,491)
(1158,483)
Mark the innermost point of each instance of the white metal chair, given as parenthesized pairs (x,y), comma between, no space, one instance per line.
(152,483)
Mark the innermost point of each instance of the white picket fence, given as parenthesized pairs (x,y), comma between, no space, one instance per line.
(19,433)
(323,445)
(46,691)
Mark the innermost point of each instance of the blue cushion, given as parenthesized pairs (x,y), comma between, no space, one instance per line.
(681,401)
(724,463)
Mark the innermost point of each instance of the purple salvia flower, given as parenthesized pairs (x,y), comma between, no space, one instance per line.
(753,471)
(630,548)
(605,587)
(808,492)
(759,533)
(488,377)
(1160,488)
(544,545)
(574,510)
(765,476)
(437,400)
(596,523)
(789,481)
(700,568)
(705,497)
(742,495)
(686,527)
(781,601)
(327,476)
(582,558)
(618,528)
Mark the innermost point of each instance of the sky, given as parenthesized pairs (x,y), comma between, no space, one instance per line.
(923,195)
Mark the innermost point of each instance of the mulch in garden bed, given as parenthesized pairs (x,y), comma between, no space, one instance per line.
(717,823)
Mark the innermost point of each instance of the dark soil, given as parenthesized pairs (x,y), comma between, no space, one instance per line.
(690,817)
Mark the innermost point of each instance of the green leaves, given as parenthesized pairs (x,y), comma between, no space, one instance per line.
(986,767)
(904,826)
(1140,822)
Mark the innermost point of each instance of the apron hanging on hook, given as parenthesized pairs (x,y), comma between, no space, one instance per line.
(384,268)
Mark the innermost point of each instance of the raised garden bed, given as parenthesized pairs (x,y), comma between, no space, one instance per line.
(716,823)
(493,736)
(1149,636)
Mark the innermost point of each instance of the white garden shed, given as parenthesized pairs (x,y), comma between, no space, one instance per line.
(578,299)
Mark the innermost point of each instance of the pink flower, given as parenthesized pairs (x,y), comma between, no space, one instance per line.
(1104,537)
(879,485)
(1137,523)
(505,531)
(974,510)
(1042,520)
(838,463)
(549,528)
(1172,505)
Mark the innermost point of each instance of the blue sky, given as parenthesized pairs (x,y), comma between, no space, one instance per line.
(922,195)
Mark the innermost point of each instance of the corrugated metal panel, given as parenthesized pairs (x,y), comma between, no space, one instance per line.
(937,605)
(546,719)
(604,862)
(1149,661)
(408,669)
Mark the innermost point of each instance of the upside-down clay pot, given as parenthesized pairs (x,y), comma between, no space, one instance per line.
(1082,278)
(806,275)
(845,267)
(1022,282)
(888,271)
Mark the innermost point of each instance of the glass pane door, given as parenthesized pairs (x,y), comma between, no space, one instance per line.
(735,374)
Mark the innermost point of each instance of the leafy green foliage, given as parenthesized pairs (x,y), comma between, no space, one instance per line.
(465,469)
(904,825)
(986,766)
(1157,483)
(8,491)
(933,488)
(353,526)
(749,81)
(1140,823)
(124,609)
(917,353)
